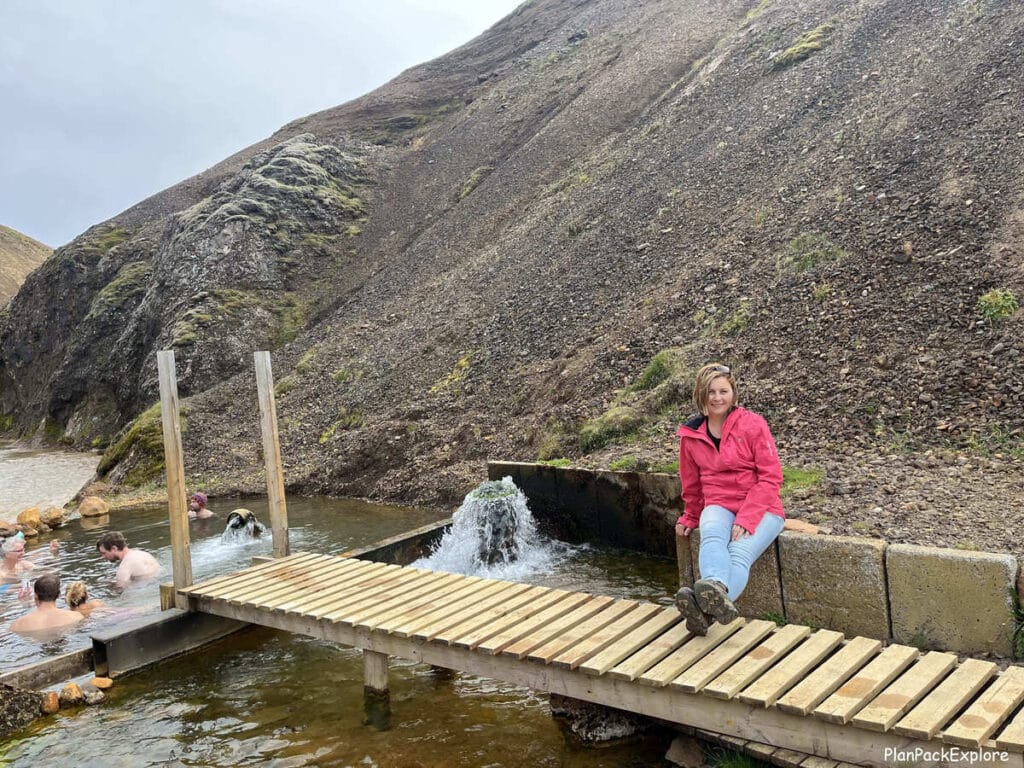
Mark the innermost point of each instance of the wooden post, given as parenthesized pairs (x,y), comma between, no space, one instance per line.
(272,454)
(376,697)
(177,508)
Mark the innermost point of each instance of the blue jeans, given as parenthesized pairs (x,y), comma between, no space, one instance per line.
(729,561)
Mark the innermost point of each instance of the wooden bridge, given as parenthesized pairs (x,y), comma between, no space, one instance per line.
(810,691)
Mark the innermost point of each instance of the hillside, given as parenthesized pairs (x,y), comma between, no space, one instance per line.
(524,248)
(19,255)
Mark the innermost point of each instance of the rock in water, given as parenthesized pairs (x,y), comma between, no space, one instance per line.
(18,708)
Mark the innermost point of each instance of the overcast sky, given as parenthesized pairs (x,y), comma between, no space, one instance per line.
(105,102)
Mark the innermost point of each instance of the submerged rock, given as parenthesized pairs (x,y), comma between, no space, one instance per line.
(594,723)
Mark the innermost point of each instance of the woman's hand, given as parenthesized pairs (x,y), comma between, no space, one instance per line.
(682,530)
(738,532)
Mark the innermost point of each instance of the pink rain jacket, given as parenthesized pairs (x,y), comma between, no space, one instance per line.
(744,476)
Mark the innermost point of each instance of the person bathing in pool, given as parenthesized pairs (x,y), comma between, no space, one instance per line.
(731,475)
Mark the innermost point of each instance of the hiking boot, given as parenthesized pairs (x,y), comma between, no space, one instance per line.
(713,598)
(696,621)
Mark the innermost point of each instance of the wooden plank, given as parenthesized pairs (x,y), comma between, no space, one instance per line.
(639,662)
(332,580)
(310,580)
(211,586)
(383,588)
(935,710)
(365,601)
(768,688)
(662,621)
(815,688)
(854,694)
(256,575)
(243,586)
(990,710)
(312,604)
(711,666)
(606,636)
(577,634)
(443,584)
(511,621)
(1011,738)
(908,689)
(446,600)
(558,627)
(484,605)
(497,643)
(174,467)
(478,591)
(756,661)
(482,625)
(289,583)
(271,453)
(669,668)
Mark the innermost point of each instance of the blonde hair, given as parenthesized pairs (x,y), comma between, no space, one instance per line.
(76,594)
(705,376)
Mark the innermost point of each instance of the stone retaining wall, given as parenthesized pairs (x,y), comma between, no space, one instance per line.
(932,598)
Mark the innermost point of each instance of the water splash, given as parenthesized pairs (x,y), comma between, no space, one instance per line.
(243,527)
(494,535)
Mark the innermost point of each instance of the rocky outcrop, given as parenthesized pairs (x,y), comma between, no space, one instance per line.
(488,254)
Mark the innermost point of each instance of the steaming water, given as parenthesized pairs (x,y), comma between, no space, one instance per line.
(268,698)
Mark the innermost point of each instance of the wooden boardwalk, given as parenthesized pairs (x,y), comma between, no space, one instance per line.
(814,692)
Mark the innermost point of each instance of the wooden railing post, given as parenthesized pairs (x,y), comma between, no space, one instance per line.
(272,453)
(177,508)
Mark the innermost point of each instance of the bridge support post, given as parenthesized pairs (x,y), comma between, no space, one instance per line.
(272,453)
(177,508)
(376,697)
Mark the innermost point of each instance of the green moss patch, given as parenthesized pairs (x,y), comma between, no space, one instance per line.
(808,43)
(142,441)
(478,175)
(130,282)
(795,478)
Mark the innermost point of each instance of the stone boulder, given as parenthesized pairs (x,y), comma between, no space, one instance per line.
(29,518)
(27,531)
(93,506)
(7,528)
(18,708)
(71,695)
(51,703)
(54,517)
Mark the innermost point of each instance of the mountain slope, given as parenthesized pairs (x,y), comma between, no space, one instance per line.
(476,259)
(19,255)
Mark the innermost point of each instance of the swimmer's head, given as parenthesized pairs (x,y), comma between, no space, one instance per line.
(76,594)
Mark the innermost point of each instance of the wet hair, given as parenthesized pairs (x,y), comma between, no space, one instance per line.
(9,544)
(47,587)
(76,594)
(200,497)
(112,540)
(705,376)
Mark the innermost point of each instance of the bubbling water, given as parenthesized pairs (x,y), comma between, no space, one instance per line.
(493,534)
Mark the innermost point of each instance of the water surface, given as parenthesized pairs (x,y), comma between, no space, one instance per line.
(267,698)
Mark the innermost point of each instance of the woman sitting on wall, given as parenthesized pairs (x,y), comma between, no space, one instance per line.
(731,476)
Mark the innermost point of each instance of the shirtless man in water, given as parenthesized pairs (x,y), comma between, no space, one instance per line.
(134,563)
(46,616)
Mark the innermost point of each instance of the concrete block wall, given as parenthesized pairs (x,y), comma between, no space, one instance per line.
(928,597)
